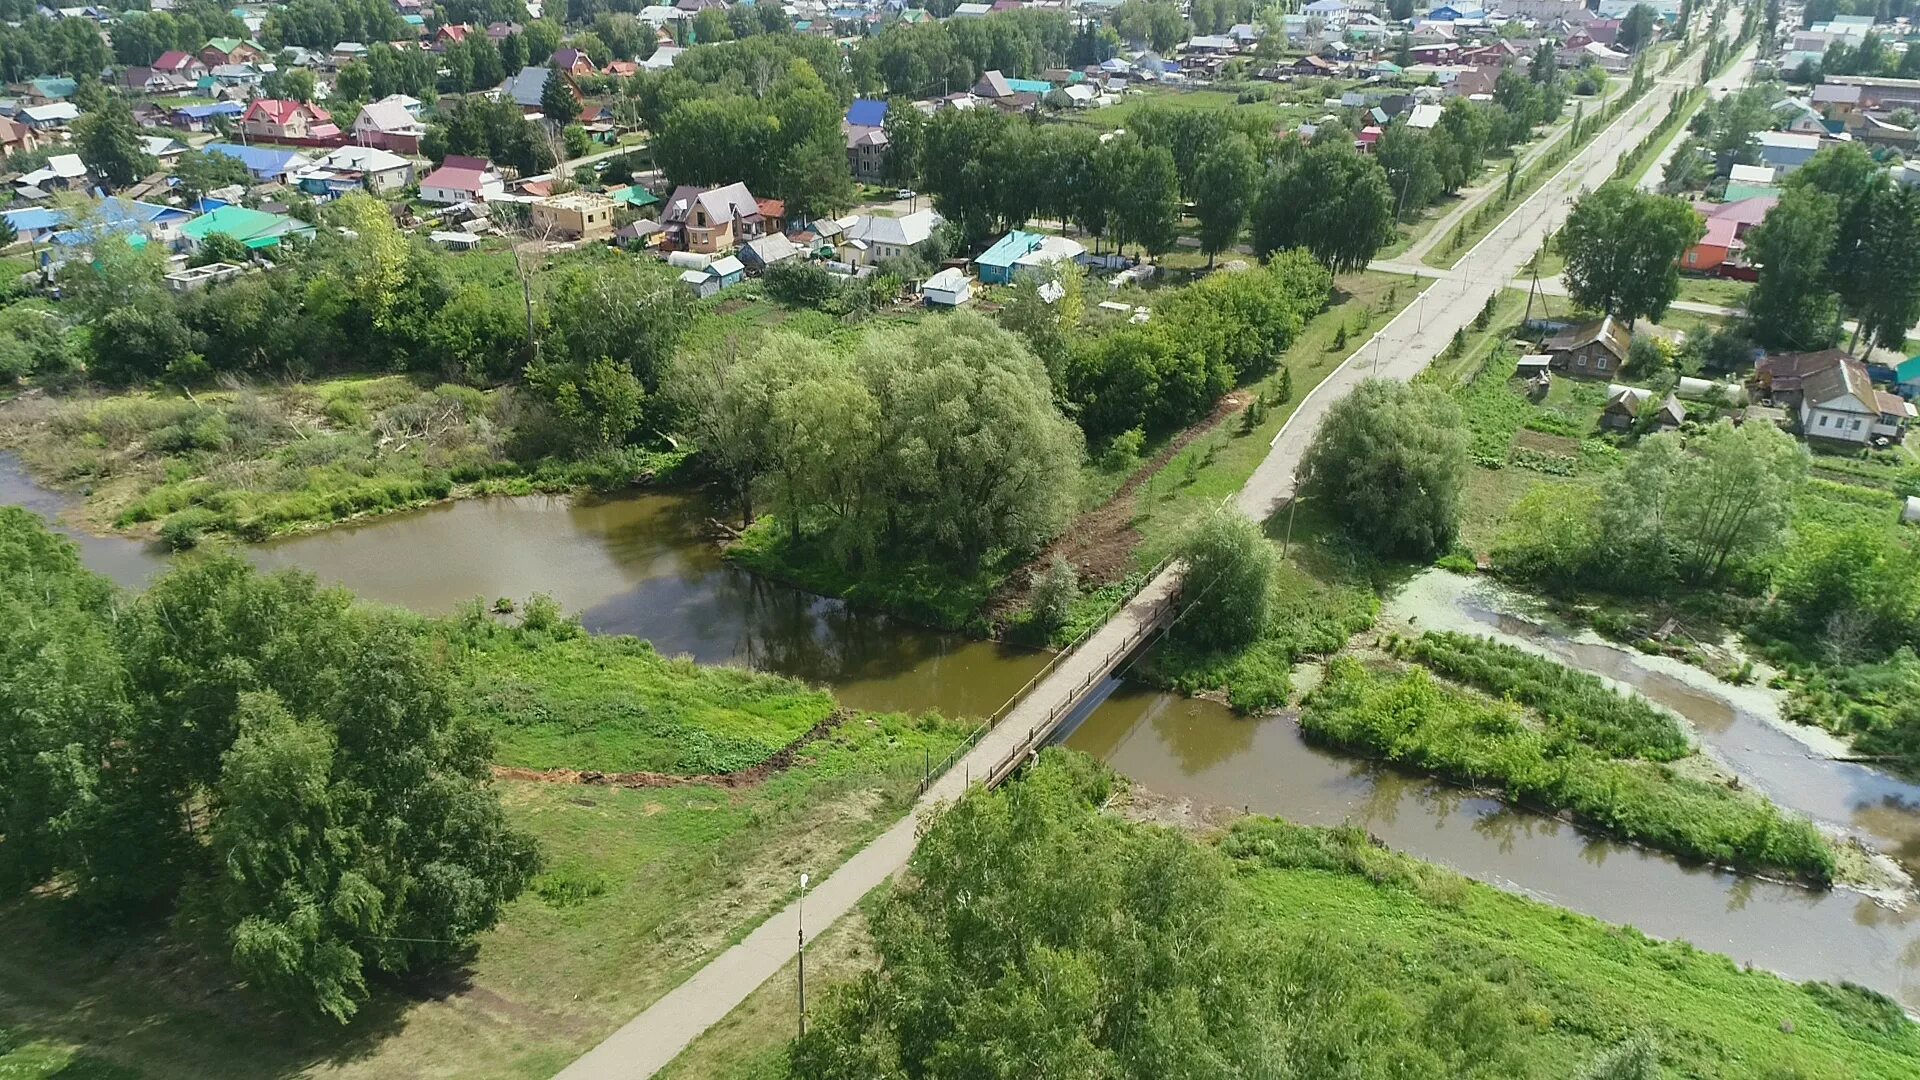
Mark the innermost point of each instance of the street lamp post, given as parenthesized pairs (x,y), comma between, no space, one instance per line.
(802,954)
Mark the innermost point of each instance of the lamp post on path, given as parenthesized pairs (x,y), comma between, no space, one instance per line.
(802,954)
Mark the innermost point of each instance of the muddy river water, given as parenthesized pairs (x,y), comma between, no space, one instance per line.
(639,565)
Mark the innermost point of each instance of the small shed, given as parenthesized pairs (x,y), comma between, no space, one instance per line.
(702,283)
(1671,414)
(1533,364)
(729,270)
(1623,406)
(948,288)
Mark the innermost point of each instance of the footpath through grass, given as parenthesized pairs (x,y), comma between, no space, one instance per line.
(640,887)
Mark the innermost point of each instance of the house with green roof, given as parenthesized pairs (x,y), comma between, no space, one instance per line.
(254,228)
(635,196)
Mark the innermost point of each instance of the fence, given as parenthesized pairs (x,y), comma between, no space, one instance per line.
(1053,662)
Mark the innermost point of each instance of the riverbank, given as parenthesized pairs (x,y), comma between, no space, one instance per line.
(268,459)
(1548,991)
(639,886)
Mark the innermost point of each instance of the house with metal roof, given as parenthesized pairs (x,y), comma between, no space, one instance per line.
(1020,250)
(266,163)
(254,228)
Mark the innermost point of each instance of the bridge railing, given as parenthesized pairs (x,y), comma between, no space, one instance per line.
(1053,662)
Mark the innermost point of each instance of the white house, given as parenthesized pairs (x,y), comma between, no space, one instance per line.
(871,239)
(377,170)
(1331,13)
(461,179)
(1840,403)
(948,288)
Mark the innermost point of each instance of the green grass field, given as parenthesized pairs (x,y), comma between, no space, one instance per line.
(640,887)
(1545,989)
(1720,292)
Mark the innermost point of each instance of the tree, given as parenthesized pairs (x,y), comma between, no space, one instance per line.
(1329,200)
(1724,499)
(1460,143)
(1414,179)
(354,82)
(1623,248)
(598,402)
(1229,574)
(1886,300)
(1224,188)
(221,248)
(1029,930)
(201,171)
(254,754)
(1854,588)
(1791,305)
(557,100)
(1144,192)
(1389,462)
(109,143)
(1055,590)
(1636,28)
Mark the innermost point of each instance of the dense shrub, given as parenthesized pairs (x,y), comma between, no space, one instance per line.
(1411,720)
(1573,702)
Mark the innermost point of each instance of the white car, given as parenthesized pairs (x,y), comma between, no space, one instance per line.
(905,193)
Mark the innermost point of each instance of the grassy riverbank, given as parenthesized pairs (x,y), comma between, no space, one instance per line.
(272,458)
(640,885)
(1411,719)
(1381,955)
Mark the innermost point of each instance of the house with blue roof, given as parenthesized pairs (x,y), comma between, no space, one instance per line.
(265,163)
(35,223)
(202,117)
(865,112)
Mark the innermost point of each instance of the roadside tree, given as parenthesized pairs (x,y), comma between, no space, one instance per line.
(1623,248)
(1389,463)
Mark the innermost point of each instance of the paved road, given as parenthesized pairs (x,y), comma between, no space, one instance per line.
(1399,350)
(1732,79)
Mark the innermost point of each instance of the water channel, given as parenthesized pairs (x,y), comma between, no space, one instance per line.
(638,565)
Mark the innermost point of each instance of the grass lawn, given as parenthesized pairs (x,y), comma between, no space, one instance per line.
(640,887)
(614,705)
(1721,292)
(1110,117)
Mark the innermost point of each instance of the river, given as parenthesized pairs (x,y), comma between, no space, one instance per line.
(635,564)
(638,564)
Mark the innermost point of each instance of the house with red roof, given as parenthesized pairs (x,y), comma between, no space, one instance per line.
(1722,250)
(450,34)
(178,62)
(461,179)
(284,118)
